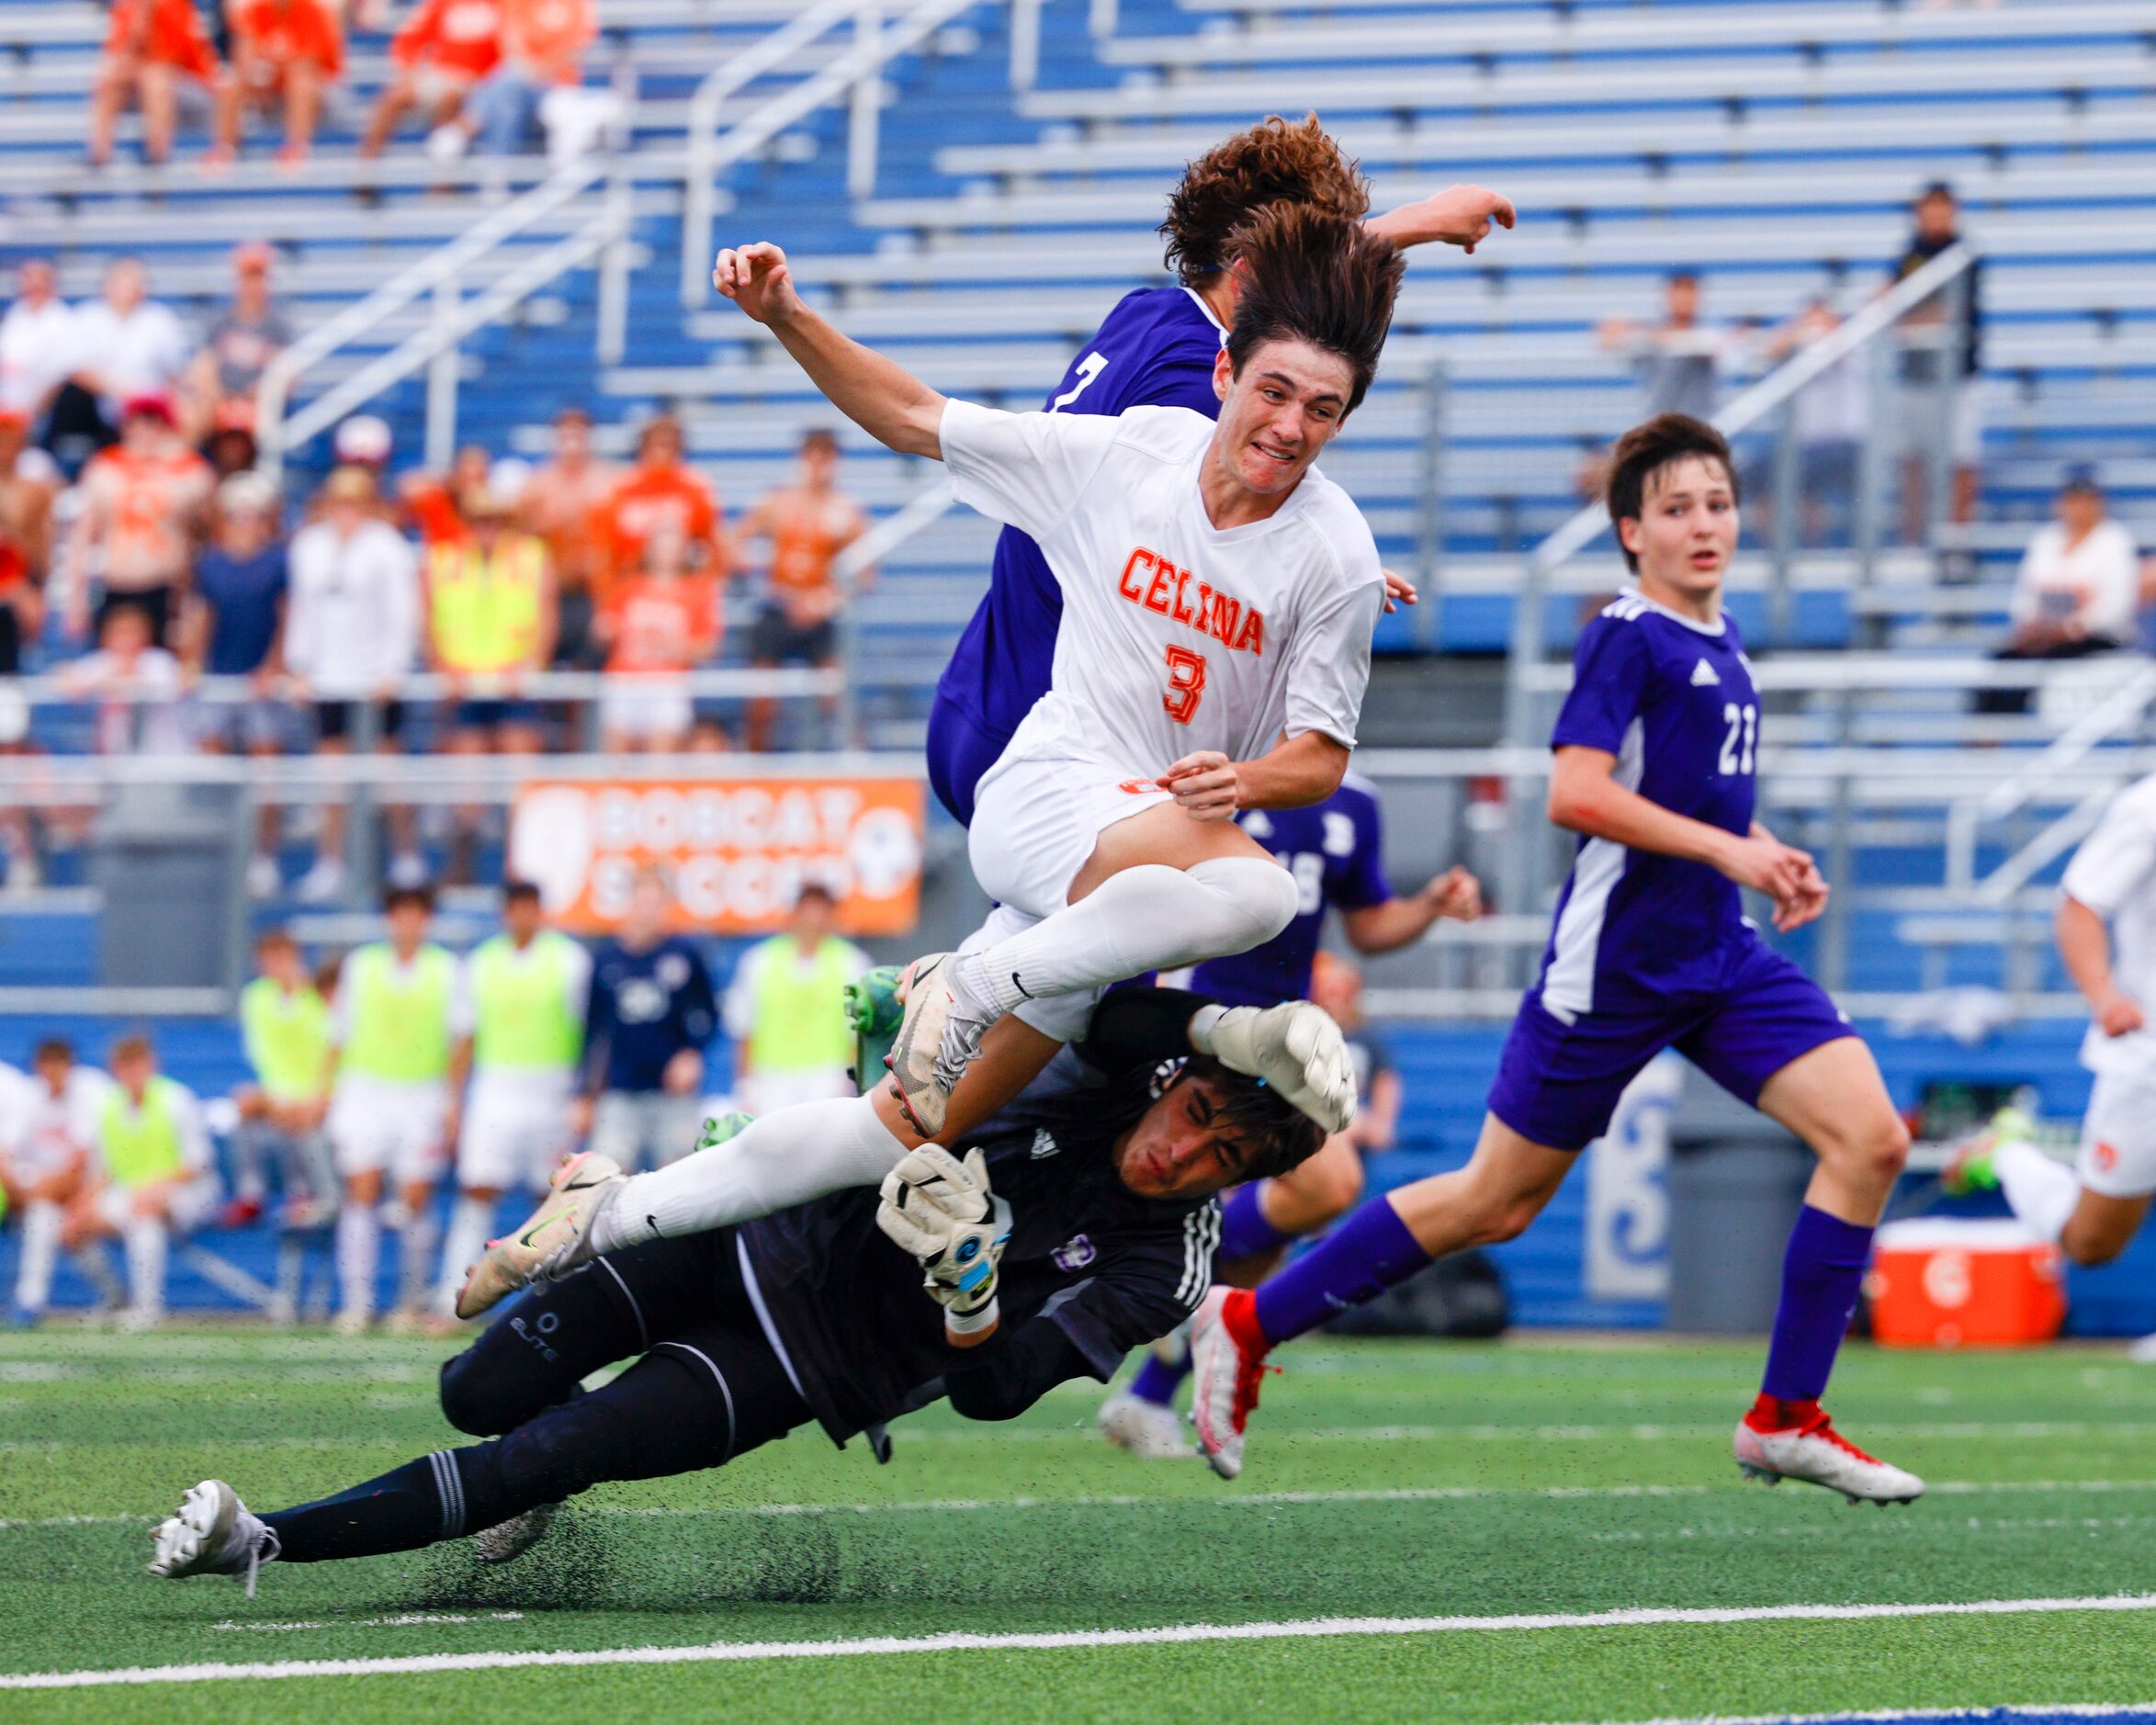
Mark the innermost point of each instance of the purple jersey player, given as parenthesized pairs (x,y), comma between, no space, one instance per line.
(1655,754)
(1157,349)
(1335,851)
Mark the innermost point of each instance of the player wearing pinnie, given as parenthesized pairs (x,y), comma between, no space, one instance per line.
(1655,752)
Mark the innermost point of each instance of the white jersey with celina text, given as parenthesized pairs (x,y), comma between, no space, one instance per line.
(1176,635)
(2114,874)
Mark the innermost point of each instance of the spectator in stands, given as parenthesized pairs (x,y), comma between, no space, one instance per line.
(650,1014)
(490,610)
(1678,361)
(809,524)
(45,1151)
(440,50)
(543,44)
(234,629)
(434,504)
(664,622)
(137,686)
(149,45)
(562,506)
(36,343)
(153,1175)
(351,634)
(1828,420)
(247,335)
(1938,392)
(284,1029)
(286,54)
(143,505)
(785,1009)
(659,490)
(2078,592)
(29,484)
(1336,984)
(128,344)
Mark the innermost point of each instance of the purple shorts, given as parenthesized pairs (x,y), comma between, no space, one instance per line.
(1557,1084)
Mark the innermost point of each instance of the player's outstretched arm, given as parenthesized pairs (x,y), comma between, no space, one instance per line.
(877,394)
(1585,798)
(1455,895)
(1459,215)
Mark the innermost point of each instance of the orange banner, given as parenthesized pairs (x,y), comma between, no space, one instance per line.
(738,851)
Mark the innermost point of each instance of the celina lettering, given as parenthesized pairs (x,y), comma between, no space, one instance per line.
(1159,586)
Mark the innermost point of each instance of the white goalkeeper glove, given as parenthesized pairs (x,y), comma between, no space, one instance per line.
(942,1210)
(1295,1047)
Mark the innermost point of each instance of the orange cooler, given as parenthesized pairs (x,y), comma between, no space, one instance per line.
(1945,1282)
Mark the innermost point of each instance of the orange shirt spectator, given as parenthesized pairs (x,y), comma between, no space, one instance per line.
(434,505)
(664,622)
(148,45)
(277,33)
(460,38)
(144,501)
(164,33)
(660,492)
(281,48)
(549,37)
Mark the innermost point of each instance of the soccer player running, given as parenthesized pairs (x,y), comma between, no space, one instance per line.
(1079,1226)
(1158,348)
(2092,1209)
(1219,596)
(1335,850)
(1654,754)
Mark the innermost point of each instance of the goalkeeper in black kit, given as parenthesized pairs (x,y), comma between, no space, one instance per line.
(1078,1223)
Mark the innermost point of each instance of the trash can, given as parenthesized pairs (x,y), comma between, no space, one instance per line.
(169,863)
(1736,1181)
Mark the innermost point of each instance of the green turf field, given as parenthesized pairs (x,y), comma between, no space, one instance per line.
(1385,1482)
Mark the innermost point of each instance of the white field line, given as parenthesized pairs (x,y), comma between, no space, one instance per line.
(1241,1500)
(1865,1715)
(409,1619)
(1317,1628)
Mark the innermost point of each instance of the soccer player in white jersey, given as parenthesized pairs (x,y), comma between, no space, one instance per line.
(2106,935)
(1219,595)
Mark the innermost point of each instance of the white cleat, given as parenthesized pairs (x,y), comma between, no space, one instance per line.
(513,1537)
(1225,1374)
(933,1047)
(211,1533)
(1816,1453)
(1147,1429)
(554,1239)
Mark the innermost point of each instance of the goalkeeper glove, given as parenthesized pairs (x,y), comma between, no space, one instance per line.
(1295,1047)
(942,1210)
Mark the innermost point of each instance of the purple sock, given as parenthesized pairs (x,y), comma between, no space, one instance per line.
(1822,1272)
(1244,1231)
(1158,1381)
(1357,1261)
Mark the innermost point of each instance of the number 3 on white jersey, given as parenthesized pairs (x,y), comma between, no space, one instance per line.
(1089,373)
(1738,747)
(1186,684)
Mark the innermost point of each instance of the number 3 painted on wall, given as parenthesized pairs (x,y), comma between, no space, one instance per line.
(1186,684)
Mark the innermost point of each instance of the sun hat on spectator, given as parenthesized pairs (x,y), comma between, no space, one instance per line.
(241,491)
(363,440)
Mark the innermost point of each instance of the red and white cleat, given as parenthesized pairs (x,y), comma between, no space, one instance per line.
(1227,1364)
(1796,1440)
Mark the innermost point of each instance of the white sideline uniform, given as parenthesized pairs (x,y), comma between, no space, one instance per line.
(43,1132)
(515,1130)
(2114,874)
(376,1127)
(1176,635)
(190,1203)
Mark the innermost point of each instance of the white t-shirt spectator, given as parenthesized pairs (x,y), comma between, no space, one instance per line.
(141,709)
(2097,581)
(45,1132)
(36,353)
(352,616)
(142,354)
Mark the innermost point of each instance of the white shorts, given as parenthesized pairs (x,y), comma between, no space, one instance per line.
(376,1127)
(2118,1137)
(515,1130)
(766,1092)
(190,1205)
(1036,821)
(638,1126)
(641,708)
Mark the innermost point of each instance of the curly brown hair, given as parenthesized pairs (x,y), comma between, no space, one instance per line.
(1276,161)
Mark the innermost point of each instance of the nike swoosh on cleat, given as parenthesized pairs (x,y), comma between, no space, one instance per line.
(525,1238)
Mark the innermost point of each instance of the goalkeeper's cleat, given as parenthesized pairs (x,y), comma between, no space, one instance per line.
(1147,1429)
(551,1238)
(933,1047)
(513,1537)
(211,1533)
(1796,1440)
(874,1009)
(719,1128)
(1227,1365)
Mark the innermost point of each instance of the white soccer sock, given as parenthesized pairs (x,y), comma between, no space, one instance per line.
(468,1225)
(145,1238)
(789,1157)
(40,1252)
(1146,918)
(97,1270)
(415,1263)
(359,1255)
(2040,1191)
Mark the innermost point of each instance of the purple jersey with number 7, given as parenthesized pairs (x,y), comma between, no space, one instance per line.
(1157,349)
